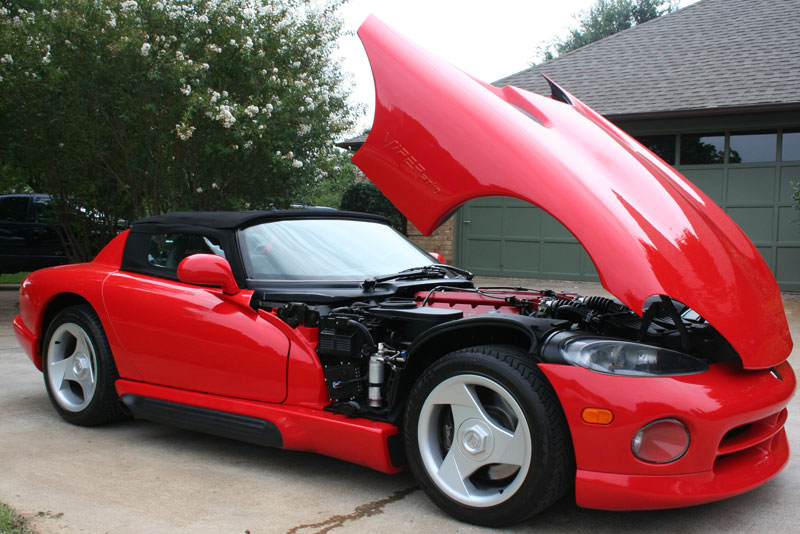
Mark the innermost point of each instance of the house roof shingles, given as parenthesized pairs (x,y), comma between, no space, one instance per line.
(714,54)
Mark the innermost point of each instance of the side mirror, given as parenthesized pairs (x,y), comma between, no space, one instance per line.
(438,256)
(208,270)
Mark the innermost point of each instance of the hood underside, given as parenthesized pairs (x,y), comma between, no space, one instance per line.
(441,138)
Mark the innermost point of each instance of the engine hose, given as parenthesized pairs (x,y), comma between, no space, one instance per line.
(365,331)
(601,304)
(555,304)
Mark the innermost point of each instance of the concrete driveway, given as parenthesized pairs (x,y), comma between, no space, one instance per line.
(141,477)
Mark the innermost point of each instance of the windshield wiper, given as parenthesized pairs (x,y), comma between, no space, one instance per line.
(438,269)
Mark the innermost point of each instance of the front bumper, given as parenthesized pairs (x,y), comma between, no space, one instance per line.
(735,420)
(28,342)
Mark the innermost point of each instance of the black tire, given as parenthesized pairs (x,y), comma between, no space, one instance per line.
(460,414)
(79,369)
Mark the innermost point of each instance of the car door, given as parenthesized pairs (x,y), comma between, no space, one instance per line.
(192,337)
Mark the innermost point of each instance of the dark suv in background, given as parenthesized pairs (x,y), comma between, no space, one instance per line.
(27,240)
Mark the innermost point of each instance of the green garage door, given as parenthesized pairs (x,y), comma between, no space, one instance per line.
(503,236)
(749,174)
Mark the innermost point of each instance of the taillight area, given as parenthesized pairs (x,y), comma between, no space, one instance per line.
(661,442)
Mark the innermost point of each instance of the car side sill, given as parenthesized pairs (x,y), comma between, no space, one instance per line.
(216,422)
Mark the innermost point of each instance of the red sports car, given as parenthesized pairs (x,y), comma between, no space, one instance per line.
(328,331)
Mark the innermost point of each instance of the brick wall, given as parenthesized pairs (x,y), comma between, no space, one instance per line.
(440,241)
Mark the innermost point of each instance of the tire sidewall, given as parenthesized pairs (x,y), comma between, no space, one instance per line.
(85,318)
(532,489)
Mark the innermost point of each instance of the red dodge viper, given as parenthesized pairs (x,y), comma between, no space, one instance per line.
(328,331)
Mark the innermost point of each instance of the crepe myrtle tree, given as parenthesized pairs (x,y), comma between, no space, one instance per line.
(122,109)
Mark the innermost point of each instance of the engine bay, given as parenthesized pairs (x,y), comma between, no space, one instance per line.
(364,344)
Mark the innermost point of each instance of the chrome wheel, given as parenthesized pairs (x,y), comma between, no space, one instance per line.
(474,440)
(71,367)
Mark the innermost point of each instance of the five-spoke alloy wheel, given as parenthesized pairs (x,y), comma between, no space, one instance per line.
(79,370)
(486,438)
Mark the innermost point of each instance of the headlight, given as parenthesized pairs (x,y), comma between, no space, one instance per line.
(618,357)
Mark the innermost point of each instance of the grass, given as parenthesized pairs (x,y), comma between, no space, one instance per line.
(15,278)
(11,522)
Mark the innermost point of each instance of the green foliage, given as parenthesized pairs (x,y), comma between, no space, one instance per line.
(129,108)
(12,179)
(604,18)
(366,198)
(330,188)
(796,195)
(11,522)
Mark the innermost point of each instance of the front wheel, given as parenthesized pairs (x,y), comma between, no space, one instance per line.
(79,369)
(486,438)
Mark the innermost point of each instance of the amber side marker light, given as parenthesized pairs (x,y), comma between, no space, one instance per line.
(597,416)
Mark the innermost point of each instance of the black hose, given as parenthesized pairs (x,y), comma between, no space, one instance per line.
(365,332)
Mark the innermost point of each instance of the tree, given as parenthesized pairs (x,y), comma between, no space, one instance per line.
(604,18)
(366,198)
(122,109)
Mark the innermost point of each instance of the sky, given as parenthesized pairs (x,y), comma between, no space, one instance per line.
(489,39)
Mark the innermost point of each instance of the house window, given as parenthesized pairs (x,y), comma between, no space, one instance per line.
(752,147)
(790,150)
(702,149)
(662,145)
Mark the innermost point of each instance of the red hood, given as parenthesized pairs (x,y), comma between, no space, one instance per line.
(441,138)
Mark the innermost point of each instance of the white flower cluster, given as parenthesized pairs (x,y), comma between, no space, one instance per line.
(225,116)
(129,5)
(184,132)
(145,49)
(214,48)
(304,129)
(186,89)
(251,111)
(7,59)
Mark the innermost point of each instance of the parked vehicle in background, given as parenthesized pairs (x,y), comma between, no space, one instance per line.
(27,239)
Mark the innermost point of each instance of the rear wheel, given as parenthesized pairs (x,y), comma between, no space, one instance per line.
(486,438)
(79,369)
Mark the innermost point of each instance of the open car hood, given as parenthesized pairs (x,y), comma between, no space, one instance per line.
(441,138)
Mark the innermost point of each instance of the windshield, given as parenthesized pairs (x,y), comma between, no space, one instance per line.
(316,249)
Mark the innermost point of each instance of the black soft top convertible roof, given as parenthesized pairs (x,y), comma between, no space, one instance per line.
(238,219)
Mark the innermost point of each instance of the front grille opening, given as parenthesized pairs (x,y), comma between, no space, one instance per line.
(739,430)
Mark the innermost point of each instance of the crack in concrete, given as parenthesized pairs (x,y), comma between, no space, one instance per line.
(365,510)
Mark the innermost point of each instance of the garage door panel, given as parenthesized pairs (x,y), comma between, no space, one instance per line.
(709,181)
(786,268)
(751,185)
(522,221)
(552,229)
(768,253)
(484,221)
(521,257)
(484,255)
(757,223)
(561,259)
(587,266)
(494,202)
(789,225)
(789,174)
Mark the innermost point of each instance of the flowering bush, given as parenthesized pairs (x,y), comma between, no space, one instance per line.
(140,107)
